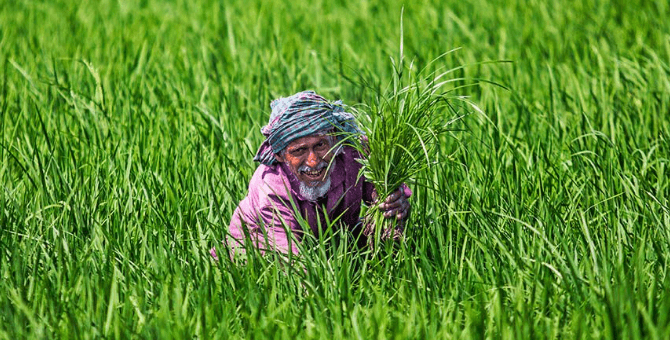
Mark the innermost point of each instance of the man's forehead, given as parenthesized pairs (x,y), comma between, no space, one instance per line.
(307,140)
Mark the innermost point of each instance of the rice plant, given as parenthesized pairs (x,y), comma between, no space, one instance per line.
(127,131)
(402,127)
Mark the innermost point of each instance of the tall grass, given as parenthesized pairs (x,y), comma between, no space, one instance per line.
(127,131)
(401,129)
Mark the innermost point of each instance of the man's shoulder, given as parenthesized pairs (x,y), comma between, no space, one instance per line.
(350,157)
(269,181)
(268,195)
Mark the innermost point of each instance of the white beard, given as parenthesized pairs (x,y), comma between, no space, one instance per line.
(312,193)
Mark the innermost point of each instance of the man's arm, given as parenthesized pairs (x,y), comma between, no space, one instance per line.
(270,227)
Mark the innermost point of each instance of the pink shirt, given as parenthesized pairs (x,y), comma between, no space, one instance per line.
(274,192)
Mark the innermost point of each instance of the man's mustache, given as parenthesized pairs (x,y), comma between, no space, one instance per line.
(320,166)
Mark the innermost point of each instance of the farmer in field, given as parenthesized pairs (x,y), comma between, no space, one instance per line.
(303,169)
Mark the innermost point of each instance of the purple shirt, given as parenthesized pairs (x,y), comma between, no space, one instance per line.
(274,192)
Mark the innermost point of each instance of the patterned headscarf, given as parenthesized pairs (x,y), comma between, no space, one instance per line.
(300,115)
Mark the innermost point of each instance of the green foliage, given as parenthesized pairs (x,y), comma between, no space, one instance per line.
(403,125)
(401,129)
(127,131)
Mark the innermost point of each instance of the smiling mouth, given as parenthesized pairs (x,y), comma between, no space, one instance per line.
(313,174)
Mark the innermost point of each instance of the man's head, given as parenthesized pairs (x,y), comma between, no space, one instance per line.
(304,114)
(301,133)
(308,158)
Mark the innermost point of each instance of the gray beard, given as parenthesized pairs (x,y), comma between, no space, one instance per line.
(312,193)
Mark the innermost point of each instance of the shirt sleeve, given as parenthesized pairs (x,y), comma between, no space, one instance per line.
(280,230)
(368,189)
(270,225)
(406,190)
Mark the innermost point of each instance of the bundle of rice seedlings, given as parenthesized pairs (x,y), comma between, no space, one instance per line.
(402,127)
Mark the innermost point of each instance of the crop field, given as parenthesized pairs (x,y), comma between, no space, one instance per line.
(128,128)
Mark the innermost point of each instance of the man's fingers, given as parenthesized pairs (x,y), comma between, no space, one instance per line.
(393,200)
(400,212)
(388,213)
(404,211)
(394,196)
(391,205)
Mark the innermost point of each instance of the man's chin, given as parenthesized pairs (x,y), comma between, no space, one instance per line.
(313,192)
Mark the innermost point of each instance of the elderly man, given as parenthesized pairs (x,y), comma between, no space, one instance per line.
(304,175)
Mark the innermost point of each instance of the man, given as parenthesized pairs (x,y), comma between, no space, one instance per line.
(305,175)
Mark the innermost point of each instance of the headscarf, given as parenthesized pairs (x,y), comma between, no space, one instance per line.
(300,115)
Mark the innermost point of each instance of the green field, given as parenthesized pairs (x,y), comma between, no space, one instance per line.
(128,128)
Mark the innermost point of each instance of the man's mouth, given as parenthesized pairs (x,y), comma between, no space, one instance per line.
(313,174)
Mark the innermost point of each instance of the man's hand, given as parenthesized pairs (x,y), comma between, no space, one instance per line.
(396,205)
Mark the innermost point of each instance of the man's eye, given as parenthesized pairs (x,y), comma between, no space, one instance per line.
(320,145)
(297,151)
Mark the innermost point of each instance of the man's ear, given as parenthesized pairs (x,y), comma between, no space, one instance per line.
(279,158)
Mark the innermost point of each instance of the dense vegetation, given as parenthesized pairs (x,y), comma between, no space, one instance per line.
(127,131)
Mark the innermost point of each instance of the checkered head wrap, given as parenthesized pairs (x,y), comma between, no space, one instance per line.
(300,115)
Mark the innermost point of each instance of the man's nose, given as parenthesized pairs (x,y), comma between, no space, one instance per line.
(312,159)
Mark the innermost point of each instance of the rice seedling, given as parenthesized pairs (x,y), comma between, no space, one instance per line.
(402,127)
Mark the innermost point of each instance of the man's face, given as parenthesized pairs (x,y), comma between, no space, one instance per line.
(308,158)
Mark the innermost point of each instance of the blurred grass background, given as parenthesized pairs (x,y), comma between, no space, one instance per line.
(128,128)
